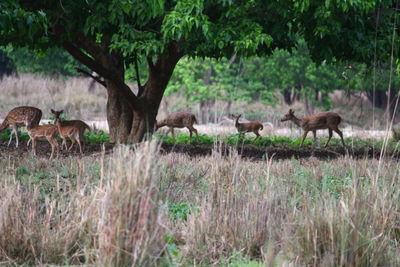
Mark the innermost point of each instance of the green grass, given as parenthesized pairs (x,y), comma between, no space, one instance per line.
(100,136)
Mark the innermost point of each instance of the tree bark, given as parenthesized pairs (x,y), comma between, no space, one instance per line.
(159,75)
(287,96)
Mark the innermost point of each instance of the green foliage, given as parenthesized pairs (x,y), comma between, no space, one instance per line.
(179,211)
(97,136)
(51,62)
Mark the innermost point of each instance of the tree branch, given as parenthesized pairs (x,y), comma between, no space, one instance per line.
(140,87)
(133,100)
(97,79)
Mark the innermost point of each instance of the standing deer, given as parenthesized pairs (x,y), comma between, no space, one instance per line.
(70,129)
(247,127)
(179,120)
(19,116)
(82,126)
(37,132)
(318,121)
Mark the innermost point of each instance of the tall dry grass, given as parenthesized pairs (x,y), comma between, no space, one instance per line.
(111,220)
(115,211)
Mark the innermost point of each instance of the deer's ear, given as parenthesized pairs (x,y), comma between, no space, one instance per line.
(291,111)
(52,111)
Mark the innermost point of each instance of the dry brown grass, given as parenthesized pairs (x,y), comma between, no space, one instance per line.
(46,93)
(112,210)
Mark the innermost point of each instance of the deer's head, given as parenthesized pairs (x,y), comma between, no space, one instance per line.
(235,117)
(288,116)
(57,114)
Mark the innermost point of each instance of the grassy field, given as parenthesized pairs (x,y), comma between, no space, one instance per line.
(143,208)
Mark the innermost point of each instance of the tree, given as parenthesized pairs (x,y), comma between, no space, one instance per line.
(110,35)
(7,66)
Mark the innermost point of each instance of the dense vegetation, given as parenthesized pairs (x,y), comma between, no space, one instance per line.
(110,36)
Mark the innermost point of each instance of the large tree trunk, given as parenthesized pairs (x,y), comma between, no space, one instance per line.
(119,115)
(159,75)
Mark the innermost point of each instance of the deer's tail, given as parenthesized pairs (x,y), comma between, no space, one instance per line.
(194,119)
(88,127)
(4,125)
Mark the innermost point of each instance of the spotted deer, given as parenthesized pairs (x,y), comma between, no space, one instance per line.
(179,120)
(82,126)
(72,131)
(38,132)
(247,127)
(318,121)
(19,116)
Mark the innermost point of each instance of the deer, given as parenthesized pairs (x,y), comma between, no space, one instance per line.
(82,126)
(20,116)
(319,121)
(247,127)
(73,132)
(37,132)
(179,120)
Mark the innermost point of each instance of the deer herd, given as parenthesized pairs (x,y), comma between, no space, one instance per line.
(31,116)
(74,129)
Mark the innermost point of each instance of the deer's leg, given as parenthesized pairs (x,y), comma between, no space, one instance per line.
(34,146)
(72,143)
(13,131)
(258,135)
(340,134)
(53,146)
(190,133)
(173,132)
(192,129)
(79,144)
(64,143)
(315,137)
(304,137)
(329,138)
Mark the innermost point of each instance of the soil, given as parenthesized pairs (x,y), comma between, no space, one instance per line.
(247,151)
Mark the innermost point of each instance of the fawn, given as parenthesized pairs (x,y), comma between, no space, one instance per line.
(318,121)
(37,132)
(82,126)
(247,127)
(20,116)
(179,120)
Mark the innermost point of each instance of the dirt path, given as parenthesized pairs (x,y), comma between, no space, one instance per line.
(248,151)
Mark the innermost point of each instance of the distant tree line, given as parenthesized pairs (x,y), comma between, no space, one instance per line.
(291,74)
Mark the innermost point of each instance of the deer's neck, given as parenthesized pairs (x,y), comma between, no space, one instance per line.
(297,121)
(237,124)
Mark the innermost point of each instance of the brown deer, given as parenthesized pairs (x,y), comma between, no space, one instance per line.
(37,132)
(72,132)
(18,117)
(318,121)
(247,127)
(179,120)
(76,123)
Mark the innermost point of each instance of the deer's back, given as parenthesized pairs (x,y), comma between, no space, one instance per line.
(180,119)
(77,123)
(20,115)
(321,120)
(41,131)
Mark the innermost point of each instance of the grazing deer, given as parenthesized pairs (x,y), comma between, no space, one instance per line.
(37,132)
(318,121)
(72,132)
(18,117)
(82,126)
(247,127)
(179,120)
